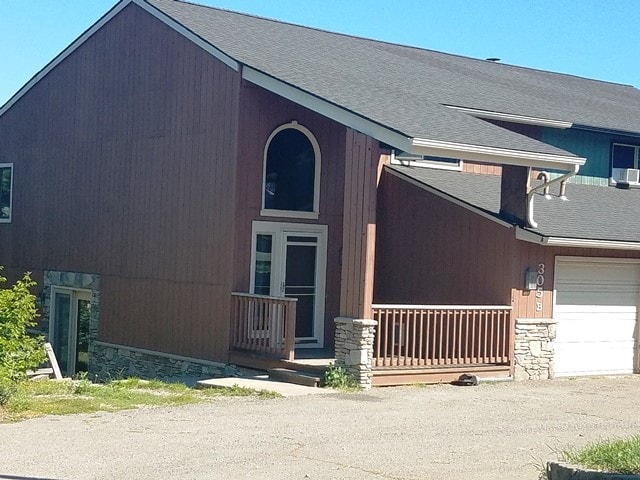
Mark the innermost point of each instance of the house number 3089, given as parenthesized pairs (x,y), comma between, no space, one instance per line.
(539,285)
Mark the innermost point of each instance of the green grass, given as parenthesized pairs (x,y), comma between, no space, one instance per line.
(615,456)
(37,398)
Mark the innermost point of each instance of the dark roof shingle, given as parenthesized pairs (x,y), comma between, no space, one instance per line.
(404,88)
(590,213)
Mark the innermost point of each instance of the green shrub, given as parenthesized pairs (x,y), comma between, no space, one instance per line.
(19,351)
(337,377)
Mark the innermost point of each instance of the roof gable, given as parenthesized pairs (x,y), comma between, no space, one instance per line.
(336,66)
(396,93)
(593,214)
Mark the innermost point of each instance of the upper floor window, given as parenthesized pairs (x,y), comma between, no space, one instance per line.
(291,180)
(414,160)
(625,162)
(6,184)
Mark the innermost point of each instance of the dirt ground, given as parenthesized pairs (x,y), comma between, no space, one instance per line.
(492,431)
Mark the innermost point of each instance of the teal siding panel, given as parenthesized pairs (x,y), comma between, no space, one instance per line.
(594,146)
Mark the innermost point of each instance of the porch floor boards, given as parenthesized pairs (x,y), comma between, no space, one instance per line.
(390,376)
(315,361)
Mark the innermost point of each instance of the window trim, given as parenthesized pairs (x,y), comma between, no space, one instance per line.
(425,162)
(636,160)
(10,166)
(269,212)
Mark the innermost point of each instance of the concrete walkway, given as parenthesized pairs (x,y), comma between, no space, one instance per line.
(262,382)
(492,431)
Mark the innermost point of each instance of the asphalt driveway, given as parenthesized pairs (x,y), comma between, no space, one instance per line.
(502,430)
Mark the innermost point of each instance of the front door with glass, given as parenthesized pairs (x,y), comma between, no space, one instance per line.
(69,328)
(289,260)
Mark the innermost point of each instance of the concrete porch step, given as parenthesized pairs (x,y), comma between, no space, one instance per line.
(308,379)
(316,366)
(262,382)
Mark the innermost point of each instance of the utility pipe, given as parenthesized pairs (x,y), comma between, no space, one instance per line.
(563,191)
(542,186)
(544,176)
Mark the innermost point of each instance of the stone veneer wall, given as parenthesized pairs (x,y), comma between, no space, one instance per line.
(534,351)
(108,360)
(111,360)
(354,348)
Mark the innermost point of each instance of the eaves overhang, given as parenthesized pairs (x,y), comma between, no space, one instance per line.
(555,241)
(403,142)
(479,153)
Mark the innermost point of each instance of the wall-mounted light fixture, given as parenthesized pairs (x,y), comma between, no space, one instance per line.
(530,279)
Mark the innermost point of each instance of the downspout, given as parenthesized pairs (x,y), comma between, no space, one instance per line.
(542,186)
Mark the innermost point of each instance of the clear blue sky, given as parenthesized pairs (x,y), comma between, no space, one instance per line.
(596,39)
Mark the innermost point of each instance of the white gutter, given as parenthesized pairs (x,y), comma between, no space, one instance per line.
(542,186)
(531,237)
(505,156)
(509,117)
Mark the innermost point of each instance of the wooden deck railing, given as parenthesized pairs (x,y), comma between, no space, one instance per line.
(423,335)
(263,324)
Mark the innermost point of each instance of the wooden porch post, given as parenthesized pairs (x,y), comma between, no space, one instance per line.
(363,166)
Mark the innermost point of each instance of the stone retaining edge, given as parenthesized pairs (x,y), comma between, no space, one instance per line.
(563,471)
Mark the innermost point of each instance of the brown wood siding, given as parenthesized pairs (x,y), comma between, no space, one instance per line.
(362,171)
(482,168)
(529,255)
(431,251)
(261,112)
(124,166)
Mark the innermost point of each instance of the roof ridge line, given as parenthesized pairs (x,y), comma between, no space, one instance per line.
(401,45)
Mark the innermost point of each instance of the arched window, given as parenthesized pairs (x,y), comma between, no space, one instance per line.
(291,172)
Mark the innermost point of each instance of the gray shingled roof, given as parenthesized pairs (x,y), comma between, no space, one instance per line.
(404,88)
(591,213)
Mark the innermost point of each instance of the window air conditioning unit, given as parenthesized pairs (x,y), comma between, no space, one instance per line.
(628,175)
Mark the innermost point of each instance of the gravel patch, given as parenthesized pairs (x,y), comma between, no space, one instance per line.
(492,431)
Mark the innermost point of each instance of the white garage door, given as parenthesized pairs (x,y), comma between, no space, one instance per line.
(596,310)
